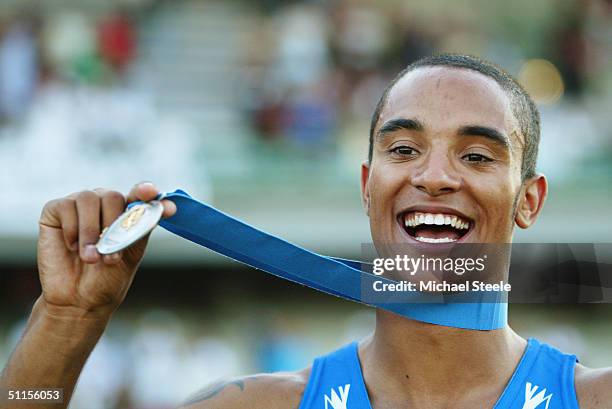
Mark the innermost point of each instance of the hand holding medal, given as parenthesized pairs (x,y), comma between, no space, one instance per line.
(137,221)
(133,224)
(76,274)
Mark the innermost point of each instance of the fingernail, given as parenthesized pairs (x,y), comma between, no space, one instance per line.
(115,256)
(90,251)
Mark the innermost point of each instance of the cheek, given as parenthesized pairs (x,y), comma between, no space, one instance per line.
(385,189)
(384,185)
(377,199)
(497,204)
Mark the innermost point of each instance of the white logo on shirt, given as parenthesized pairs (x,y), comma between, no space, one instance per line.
(338,402)
(533,401)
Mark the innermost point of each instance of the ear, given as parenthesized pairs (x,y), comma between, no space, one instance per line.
(365,190)
(533,195)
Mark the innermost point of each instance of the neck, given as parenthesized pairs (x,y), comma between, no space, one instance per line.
(415,361)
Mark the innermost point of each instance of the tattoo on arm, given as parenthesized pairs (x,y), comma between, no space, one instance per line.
(211,391)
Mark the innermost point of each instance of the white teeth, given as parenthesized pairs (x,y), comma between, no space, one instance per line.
(431,240)
(416,219)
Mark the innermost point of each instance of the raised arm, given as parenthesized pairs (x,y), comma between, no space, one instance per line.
(80,291)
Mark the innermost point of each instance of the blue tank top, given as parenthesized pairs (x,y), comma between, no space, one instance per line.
(543,379)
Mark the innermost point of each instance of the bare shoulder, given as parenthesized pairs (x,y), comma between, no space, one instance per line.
(281,390)
(593,387)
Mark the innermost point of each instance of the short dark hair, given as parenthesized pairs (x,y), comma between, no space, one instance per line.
(523,107)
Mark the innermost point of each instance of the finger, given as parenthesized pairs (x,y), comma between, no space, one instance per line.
(70,224)
(62,214)
(144,191)
(169,208)
(112,205)
(88,213)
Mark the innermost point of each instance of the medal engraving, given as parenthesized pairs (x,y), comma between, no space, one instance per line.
(133,215)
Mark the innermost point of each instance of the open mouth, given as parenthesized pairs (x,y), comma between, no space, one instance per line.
(435,227)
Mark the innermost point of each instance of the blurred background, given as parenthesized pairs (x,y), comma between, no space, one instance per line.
(262,108)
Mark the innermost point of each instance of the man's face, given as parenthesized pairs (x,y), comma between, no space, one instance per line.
(446,163)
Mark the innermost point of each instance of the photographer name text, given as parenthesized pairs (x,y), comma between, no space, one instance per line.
(439,286)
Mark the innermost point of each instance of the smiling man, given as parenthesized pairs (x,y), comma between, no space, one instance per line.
(453,147)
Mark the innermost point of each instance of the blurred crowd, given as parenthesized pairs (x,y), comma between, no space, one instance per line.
(107,91)
(100,96)
(312,71)
(35,50)
(317,70)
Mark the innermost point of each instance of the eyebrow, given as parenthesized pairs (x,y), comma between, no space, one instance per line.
(399,124)
(487,132)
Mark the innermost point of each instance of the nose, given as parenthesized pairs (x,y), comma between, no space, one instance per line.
(436,176)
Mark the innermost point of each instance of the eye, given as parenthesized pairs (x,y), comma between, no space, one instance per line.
(404,150)
(476,157)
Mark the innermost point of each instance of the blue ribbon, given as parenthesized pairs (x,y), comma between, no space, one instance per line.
(213,229)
